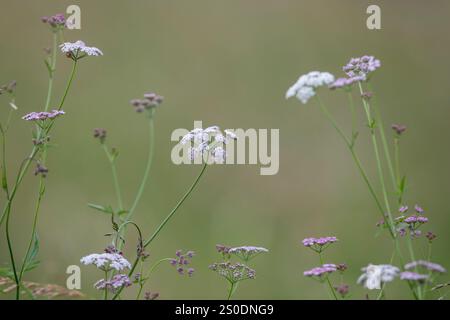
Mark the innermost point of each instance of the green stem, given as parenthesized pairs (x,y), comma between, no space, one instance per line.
(397,169)
(232,290)
(69,84)
(106,289)
(112,162)
(328,279)
(146,172)
(161,226)
(11,255)
(146,277)
(33,230)
(44,157)
(19,179)
(174,210)
(383,138)
(51,72)
(378,160)
(353,114)
(354,156)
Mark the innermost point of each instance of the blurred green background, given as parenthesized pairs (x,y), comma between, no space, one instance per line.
(228,63)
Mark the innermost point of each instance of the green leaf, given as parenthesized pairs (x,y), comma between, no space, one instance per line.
(31,261)
(402,185)
(101,208)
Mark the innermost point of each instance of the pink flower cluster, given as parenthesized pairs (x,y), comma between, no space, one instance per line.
(43,115)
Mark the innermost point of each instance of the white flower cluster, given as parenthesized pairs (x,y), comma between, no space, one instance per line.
(208,141)
(374,275)
(79,46)
(304,88)
(246,253)
(107,261)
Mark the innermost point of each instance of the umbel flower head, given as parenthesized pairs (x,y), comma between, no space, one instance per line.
(319,244)
(320,273)
(413,276)
(360,68)
(107,261)
(246,253)
(77,50)
(42,116)
(118,281)
(208,142)
(430,266)
(374,275)
(56,22)
(149,102)
(305,87)
(233,272)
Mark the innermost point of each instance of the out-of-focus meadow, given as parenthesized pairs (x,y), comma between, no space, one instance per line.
(228,63)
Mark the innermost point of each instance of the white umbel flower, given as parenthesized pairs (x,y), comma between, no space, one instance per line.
(374,275)
(75,48)
(304,88)
(107,261)
(209,141)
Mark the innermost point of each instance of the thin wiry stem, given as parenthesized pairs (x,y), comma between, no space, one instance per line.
(44,158)
(355,157)
(146,171)
(112,162)
(147,276)
(19,179)
(164,222)
(371,124)
(380,125)
(328,279)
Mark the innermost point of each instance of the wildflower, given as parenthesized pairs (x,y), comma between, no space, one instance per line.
(319,244)
(208,142)
(342,289)
(398,128)
(374,275)
(107,261)
(100,133)
(430,266)
(40,169)
(319,273)
(342,83)
(77,50)
(361,67)
(413,276)
(413,219)
(42,116)
(247,253)
(181,260)
(233,272)
(403,209)
(149,102)
(418,209)
(304,88)
(57,21)
(118,281)
(430,236)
